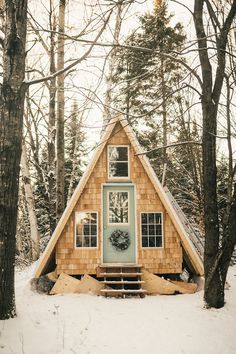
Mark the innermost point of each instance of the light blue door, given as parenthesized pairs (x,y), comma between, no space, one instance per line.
(118,224)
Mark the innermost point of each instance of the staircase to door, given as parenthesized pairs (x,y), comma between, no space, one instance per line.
(121,280)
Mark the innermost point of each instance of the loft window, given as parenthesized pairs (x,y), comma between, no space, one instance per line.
(118,207)
(118,161)
(86,225)
(152,230)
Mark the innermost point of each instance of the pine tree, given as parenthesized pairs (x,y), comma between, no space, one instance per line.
(146,78)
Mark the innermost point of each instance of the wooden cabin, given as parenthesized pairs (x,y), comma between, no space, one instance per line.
(120,215)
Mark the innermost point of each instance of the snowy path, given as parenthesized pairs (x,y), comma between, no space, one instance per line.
(85,324)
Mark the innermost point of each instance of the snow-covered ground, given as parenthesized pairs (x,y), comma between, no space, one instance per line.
(86,324)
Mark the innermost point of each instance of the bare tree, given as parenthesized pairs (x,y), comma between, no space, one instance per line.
(60,144)
(11,124)
(30,204)
(111,63)
(52,115)
(217,257)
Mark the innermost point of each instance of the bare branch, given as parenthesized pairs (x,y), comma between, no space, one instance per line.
(40,38)
(76,62)
(170,146)
(186,7)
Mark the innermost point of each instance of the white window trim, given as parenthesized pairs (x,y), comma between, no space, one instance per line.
(118,223)
(84,248)
(162,229)
(111,178)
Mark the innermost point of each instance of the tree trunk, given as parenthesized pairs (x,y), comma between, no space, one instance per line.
(60,155)
(213,290)
(229,239)
(34,234)
(52,121)
(231,171)
(112,60)
(211,92)
(11,125)
(164,119)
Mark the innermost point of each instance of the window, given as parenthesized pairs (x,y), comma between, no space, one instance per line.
(86,229)
(151,230)
(118,161)
(118,207)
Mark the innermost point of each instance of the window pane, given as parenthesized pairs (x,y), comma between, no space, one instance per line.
(118,153)
(79,229)
(93,241)
(78,241)
(118,169)
(158,230)
(151,218)
(93,230)
(82,218)
(158,241)
(144,218)
(151,241)
(158,218)
(86,241)
(145,241)
(144,230)
(86,229)
(118,207)
(93,218)
(151,230)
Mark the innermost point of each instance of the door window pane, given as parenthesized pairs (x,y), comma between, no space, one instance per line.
(118,207)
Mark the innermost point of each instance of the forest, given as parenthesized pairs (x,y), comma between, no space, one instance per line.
(67,67)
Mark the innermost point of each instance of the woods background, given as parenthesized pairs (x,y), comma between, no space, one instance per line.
(67,67)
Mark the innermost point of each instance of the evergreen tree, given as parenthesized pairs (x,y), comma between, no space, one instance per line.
(146,77)
(184,169)
(45,207)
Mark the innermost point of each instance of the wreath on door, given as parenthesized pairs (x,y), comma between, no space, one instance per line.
(120,240)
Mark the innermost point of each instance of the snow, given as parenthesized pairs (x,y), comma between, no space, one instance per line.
(87,324)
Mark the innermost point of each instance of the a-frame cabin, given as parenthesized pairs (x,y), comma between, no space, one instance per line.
(119,214)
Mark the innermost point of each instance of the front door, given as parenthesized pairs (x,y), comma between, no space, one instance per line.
(118,224)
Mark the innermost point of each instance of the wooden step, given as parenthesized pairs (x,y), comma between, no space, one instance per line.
(121,285)
(129,282)
(119,270)
(120,266)
(124,291)
(120,274)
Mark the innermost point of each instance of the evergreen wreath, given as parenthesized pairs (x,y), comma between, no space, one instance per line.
(120,240)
